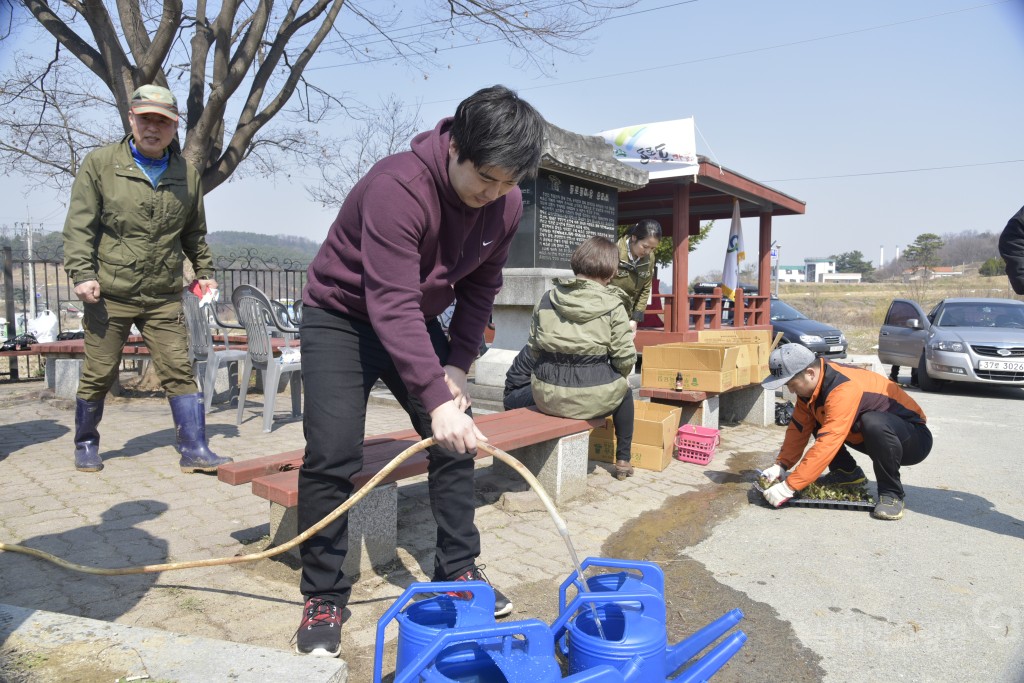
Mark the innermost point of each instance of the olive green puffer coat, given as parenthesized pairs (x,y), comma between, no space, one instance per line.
(130,236)
(583,344)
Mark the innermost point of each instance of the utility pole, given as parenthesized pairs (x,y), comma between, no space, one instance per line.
(29,230)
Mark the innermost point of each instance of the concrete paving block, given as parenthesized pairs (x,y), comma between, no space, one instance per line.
(372,529)
(100,650)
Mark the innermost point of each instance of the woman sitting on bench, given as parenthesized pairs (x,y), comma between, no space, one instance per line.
(581,345)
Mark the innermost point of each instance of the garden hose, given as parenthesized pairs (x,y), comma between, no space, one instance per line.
(335,514)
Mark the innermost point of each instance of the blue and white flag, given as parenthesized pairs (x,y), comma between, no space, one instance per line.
(734,255)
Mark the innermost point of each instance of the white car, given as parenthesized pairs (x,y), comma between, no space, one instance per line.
(961,340)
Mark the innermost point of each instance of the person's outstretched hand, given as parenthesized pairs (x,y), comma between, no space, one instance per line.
(774,472)
(778,494)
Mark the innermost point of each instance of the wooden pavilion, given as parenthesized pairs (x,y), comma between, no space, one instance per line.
(681,204)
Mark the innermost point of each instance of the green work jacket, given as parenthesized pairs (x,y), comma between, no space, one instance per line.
(583,344)
(634,279)
(132,237)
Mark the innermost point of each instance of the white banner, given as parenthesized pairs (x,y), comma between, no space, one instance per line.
(665,149)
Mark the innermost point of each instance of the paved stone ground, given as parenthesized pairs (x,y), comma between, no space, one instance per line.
(142,510)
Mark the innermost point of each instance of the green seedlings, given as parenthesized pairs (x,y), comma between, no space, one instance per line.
(848,493)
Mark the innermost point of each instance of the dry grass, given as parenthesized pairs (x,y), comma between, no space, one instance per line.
(858,309)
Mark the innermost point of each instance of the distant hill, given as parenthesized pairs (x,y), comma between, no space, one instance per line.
(225,243)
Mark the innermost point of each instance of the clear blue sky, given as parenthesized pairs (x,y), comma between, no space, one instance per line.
(846,106)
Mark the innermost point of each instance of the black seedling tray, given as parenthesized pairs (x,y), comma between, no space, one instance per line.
(796,501)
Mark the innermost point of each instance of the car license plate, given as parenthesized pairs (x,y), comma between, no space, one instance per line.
(1002,365)
(835,349)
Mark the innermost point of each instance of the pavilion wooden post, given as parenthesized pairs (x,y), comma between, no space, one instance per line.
(680,259)
(764,266)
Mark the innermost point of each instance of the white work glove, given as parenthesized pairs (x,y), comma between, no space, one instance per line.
(774,472)
(779,494)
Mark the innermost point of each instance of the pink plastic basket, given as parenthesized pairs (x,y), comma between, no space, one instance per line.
(696,444)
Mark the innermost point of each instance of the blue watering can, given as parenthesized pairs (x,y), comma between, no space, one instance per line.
(497,654)
(422,623)
(635,640)
(637,576)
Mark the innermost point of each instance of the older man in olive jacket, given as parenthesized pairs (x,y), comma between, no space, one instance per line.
(136,211)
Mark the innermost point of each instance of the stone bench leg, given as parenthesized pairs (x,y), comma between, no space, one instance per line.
(372,529)
(752,405)
(559,464)
(704,414)
(62,375)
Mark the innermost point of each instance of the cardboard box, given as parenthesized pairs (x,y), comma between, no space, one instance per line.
(654,431)
(739,336)
(641,456)
(760,373)
(692,356)
(693,380)
(758,341)
(655,424)
(703,366)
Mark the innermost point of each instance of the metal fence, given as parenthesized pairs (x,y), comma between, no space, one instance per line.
(34,285)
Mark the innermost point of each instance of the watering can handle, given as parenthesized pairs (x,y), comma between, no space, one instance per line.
(479,589)
(650,603)
(538,643)
(651,574)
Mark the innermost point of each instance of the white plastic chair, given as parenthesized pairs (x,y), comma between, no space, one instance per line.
(258,316)
(201,348)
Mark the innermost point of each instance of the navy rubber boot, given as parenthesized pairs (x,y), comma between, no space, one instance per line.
(190,430)
(87,435)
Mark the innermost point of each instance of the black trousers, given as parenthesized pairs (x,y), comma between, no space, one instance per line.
(342,358)
(891,442)
(622,417)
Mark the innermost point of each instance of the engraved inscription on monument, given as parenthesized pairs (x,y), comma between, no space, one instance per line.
(560,212)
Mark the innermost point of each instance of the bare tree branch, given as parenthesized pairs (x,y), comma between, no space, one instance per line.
(382,131)
(244,66)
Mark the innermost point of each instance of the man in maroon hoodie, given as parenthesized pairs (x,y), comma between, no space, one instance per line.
(423,228)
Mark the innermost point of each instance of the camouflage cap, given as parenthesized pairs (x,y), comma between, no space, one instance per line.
(152,99)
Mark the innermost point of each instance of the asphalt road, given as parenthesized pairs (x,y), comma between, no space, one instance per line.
(937,596)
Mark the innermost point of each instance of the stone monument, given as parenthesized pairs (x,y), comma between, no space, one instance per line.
(574,196)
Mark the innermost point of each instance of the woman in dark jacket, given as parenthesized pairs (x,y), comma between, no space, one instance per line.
(636,267)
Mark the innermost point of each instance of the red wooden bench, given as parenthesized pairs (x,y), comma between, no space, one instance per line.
(74,349)
(553,448)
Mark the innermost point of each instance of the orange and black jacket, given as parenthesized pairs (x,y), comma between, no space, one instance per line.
(832,415)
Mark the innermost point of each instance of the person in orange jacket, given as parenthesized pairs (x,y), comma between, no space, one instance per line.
(844,406)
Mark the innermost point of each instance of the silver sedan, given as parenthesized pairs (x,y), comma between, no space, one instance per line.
(961,340)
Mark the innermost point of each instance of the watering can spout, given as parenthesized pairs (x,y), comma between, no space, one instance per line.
(710,663)
(682,652)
